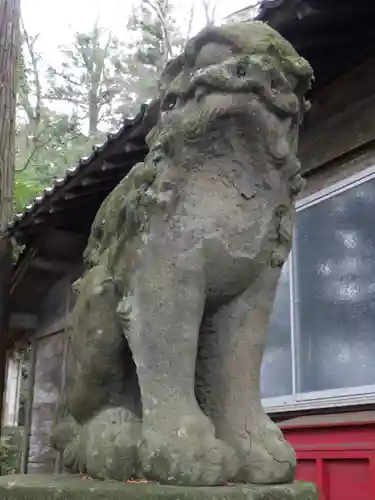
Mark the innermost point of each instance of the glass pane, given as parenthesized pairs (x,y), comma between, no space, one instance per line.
(335,291)
(276,379)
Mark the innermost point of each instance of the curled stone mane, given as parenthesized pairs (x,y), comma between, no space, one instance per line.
(263,62)
(256,60)
(261,40)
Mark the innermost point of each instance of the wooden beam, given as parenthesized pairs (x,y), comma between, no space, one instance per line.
(19,321)
(70,221)
(93,181)
(107,166)
(21,268)
(91,202)
(339,134)
(126,157)
(343,92)
(78,203)
(108,169)
(63,245)
(326,40)
(99,188)
(51,266)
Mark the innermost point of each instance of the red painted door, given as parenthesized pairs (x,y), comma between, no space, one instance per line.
(337,452)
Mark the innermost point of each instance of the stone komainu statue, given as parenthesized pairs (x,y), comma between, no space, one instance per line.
(184,257)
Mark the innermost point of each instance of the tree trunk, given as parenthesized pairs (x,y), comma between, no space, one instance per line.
(9,50)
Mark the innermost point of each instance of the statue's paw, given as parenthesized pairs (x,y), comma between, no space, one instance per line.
(64,433)
(187,454)
(266,457)
(71,457)
(110,443)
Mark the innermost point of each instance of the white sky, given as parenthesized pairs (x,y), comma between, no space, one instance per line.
(54,20)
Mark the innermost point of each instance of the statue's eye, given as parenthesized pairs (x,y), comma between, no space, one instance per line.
(242,66)
(278,82)
(241,70)
(170,101)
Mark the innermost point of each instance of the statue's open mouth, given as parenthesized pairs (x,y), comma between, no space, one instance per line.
(241,78)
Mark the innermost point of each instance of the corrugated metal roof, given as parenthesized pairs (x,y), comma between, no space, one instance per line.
(52,193)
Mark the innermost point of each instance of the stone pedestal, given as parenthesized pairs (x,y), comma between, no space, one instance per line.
(46,487)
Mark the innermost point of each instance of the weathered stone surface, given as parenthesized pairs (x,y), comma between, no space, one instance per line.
(47,388)
(171,317)
(43,487)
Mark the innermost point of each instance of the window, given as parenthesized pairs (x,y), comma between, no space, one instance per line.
(321,343)
(277,379)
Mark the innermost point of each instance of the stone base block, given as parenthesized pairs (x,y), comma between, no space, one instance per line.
(46,487)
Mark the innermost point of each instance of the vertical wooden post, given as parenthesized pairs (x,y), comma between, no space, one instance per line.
(12,389)
(5,278)
(59,457)
(3,366)
(29,405)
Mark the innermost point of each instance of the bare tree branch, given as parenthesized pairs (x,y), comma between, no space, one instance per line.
(72,100)
(33,152)
(191,19)
(65,77)
(209,8)
(160,8)
(34,63)
(40,145)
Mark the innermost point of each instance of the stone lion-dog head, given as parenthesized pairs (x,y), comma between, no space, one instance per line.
(228,76)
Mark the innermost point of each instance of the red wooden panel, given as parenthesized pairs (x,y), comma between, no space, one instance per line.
(306,470)
(347,480)
(361,436)
(337,454)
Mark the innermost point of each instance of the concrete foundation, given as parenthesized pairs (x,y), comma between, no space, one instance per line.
(48,487)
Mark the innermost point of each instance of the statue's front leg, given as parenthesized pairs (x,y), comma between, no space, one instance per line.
(165,310)
(233,340)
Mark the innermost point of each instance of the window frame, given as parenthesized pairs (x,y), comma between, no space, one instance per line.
(331,397)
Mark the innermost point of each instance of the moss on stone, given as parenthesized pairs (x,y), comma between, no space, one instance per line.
(124,212)
(43,487)
(262,39)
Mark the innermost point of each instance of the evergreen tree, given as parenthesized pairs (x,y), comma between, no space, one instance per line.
(91,77)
